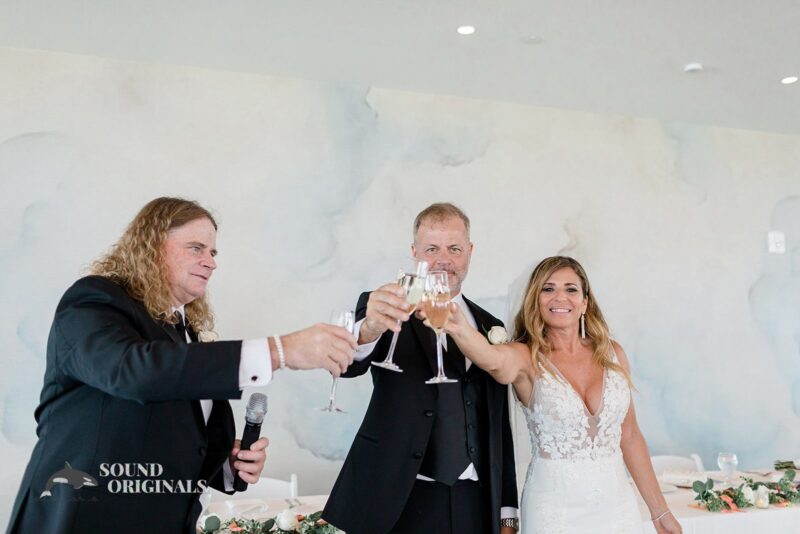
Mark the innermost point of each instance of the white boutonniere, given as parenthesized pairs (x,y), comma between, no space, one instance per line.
(207,336)
(497,335)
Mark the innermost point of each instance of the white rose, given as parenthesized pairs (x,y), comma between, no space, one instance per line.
(207,336)
(287,520)
(497,335)
(749,495)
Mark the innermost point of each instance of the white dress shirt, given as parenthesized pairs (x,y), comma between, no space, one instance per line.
(470,473)
(255,369)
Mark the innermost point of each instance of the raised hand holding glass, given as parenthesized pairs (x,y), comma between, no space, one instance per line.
(347,320)
(436,305)
(412,280)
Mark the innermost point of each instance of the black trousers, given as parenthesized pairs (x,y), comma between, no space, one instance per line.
(437,508)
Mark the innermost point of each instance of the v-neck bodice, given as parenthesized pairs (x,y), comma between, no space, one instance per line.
(575,391)
(561,425)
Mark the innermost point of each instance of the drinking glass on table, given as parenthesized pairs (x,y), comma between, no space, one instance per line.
(412,280)
(727,462)
(436,305)
(346,319)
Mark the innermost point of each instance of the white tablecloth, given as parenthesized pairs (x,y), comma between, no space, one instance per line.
(693,521)
(751,520)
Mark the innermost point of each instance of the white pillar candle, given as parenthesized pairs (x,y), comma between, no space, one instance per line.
(762,497)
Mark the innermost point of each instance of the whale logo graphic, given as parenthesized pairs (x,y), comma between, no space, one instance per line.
(74,477)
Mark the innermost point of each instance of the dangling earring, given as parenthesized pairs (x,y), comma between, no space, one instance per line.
(583,326)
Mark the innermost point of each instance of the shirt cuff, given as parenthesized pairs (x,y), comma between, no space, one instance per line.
(227,475)
(362,351)
(255,364)
(507,512)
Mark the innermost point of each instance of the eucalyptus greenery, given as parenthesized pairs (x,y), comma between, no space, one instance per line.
(310,524)
(783,492)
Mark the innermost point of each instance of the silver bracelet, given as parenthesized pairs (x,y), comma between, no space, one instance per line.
(281,355)
(662,515)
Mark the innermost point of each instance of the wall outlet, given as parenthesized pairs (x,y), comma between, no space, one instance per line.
(776,242)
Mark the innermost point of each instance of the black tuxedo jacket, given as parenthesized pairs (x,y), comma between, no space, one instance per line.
(384,460)
(121,388)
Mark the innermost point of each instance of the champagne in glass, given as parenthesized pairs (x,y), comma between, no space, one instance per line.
(412,280)
(436,305)
(347,320)
(414,286)
(437,309)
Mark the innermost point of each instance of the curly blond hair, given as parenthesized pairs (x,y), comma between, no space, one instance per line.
(137,261)
(530,328)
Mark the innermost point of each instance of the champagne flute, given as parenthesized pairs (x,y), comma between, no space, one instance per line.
(413,283)
(436,305)
(347,320)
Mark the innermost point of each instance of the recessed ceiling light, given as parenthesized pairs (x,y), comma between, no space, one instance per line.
(693,67)
(789,80)
(466,30)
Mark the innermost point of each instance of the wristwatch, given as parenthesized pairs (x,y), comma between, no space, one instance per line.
(512,522)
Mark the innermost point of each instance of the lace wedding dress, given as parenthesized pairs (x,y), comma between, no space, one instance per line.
(576,480)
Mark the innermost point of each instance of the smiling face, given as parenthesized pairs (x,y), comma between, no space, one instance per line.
(561,300)
(444,244)
(189,252)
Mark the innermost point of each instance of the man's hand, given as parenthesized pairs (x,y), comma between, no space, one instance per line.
(250,463)
(322,346)
(386,306)
(507,530)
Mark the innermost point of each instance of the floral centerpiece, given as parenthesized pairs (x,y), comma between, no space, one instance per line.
(760,494)
(285,522)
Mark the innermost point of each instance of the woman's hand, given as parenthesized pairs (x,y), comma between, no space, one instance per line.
(668,525)
(456,324)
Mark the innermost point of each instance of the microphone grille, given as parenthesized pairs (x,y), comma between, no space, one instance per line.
(256,408)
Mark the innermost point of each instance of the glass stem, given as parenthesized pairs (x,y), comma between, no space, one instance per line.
(333,391)
(390,357)
(439,359)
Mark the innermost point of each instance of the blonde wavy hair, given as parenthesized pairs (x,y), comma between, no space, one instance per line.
(530,328)
(137,261)
(438,212)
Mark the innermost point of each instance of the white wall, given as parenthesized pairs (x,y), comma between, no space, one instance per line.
(316,186)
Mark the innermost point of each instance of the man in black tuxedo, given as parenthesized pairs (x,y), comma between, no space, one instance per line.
(133,421)
(427,458)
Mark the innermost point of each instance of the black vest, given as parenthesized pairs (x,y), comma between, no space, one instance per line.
(460,428)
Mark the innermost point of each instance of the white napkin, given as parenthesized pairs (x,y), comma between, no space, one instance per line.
(681,478)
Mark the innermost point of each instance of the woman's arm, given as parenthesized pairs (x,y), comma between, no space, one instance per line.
(508,363)
(637,460)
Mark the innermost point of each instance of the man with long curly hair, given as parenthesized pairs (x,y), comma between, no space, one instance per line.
(126,416)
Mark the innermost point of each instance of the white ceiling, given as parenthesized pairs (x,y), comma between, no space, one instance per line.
(614,56)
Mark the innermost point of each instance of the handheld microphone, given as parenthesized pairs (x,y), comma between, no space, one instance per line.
(253,417)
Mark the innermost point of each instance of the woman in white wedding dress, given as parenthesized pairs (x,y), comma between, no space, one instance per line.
(574,382)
